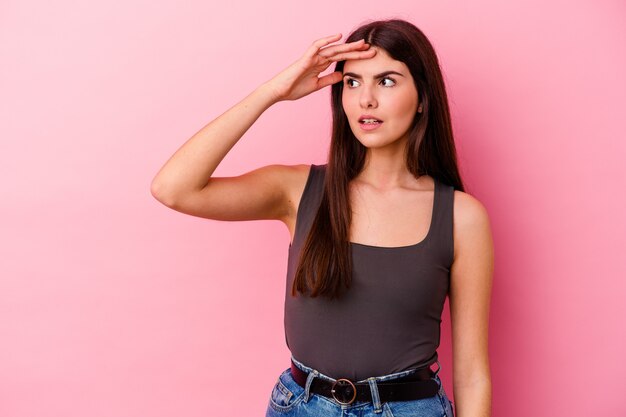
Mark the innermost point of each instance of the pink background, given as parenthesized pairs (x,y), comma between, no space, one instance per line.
(112,304)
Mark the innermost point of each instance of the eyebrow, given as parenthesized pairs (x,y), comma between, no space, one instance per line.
(377,76)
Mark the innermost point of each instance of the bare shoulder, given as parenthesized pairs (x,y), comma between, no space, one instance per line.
(471,221)
(468,208)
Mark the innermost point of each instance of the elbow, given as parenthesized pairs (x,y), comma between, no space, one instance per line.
(158,192)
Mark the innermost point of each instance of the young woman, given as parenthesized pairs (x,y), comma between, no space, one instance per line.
(380,235)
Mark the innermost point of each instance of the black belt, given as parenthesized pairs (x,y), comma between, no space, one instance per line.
(410,387)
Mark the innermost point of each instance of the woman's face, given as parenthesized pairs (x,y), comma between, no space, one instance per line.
(383,88)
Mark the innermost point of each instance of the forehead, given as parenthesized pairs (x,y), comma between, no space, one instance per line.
(381,61)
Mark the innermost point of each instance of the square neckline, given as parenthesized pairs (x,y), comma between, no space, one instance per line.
(435,206)
(436,196)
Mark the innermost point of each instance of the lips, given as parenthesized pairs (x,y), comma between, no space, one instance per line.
(368,116)
(369,123)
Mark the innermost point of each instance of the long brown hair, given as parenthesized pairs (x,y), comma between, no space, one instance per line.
(325,263)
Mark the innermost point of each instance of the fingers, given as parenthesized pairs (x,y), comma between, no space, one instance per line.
(322,42)
(328,39)
(352,55)
(351,50)
(329,79)
(331,50)
(316,47)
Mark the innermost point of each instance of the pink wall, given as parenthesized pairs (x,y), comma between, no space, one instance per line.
(113,305)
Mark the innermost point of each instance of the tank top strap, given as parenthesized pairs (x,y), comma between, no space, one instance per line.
(309,201)
(443,219)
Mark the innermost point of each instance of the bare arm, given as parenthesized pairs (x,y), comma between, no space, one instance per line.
(188,171)
(185,182)
(470,293)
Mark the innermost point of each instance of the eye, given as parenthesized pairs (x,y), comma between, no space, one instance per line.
(390,79)
(349,80)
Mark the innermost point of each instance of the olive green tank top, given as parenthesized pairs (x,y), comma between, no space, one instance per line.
(389,319)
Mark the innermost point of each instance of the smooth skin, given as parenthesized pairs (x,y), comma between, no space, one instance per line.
(185,184)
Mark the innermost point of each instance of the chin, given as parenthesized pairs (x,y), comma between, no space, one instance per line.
(373,142)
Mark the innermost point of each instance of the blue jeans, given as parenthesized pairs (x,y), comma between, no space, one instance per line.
(288,398)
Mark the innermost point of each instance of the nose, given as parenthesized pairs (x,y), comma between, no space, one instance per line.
(367,98)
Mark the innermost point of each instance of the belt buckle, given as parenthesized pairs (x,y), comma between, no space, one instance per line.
(342,383)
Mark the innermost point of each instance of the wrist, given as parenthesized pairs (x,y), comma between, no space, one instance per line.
(270,92)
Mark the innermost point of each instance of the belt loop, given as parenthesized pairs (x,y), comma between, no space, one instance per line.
(375,396)
(309,381)
(438,369)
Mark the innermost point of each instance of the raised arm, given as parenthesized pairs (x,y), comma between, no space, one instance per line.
(185,182)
